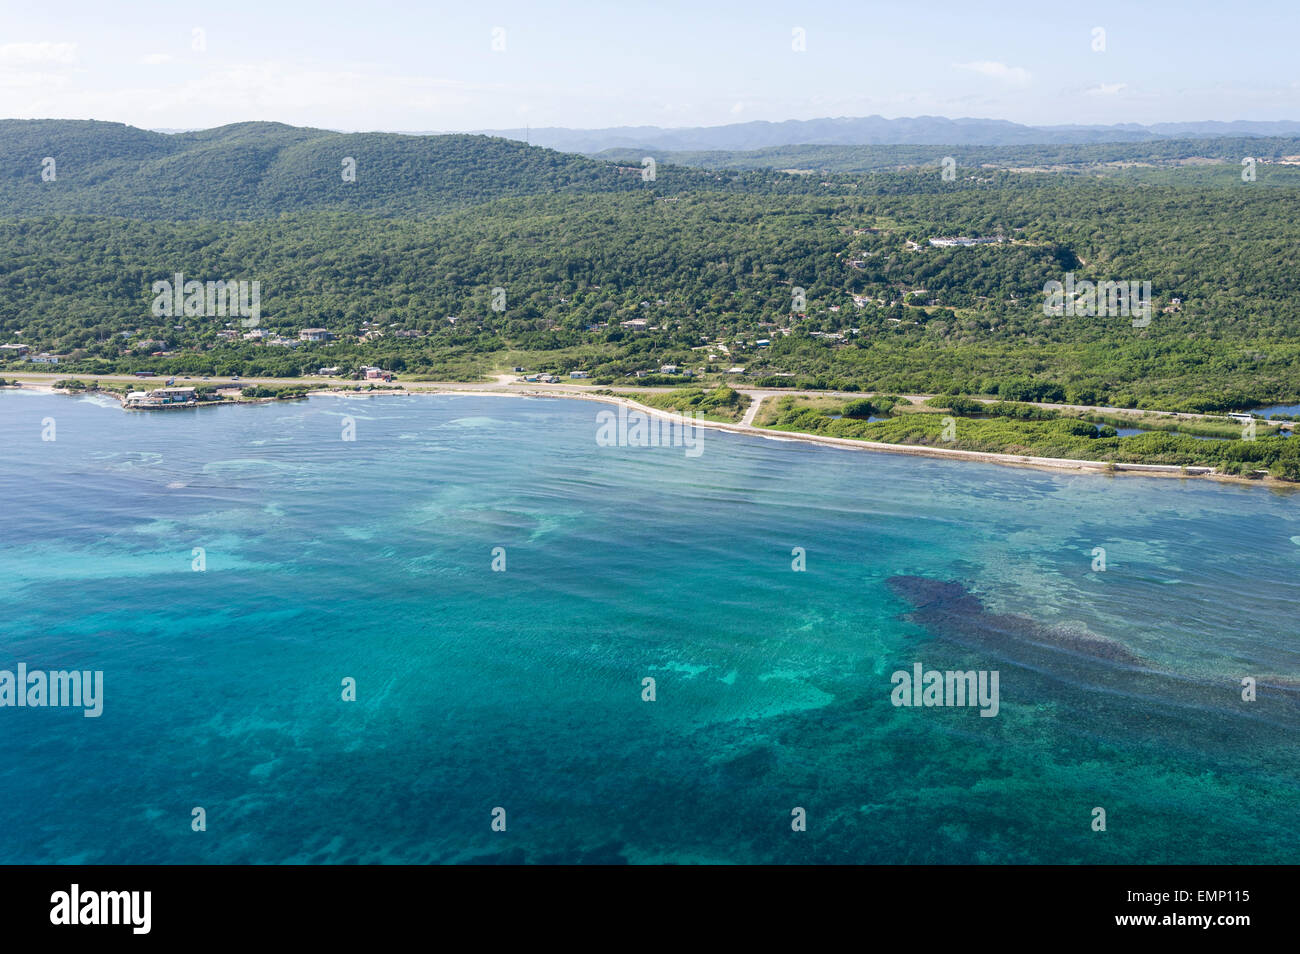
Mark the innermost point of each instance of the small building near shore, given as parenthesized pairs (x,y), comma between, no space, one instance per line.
(162,397)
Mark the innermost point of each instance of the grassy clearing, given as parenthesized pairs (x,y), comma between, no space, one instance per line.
(720,404)
(1050,434)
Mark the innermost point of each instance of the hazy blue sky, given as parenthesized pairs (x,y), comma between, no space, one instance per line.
(431,66)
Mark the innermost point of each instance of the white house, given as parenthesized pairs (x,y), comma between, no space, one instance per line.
(161,397)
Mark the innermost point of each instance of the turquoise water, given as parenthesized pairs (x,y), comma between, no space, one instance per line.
(521,689)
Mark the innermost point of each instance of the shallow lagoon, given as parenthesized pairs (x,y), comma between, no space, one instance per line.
(371,559)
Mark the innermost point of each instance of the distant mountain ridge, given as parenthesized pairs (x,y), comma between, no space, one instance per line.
(257,169)
(876,130)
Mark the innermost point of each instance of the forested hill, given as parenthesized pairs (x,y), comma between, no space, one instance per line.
(252,170)
(846,280)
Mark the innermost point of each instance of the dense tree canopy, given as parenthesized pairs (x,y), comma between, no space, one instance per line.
(711,263)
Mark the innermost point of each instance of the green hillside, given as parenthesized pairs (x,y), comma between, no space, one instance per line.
(252,170)
(604,271)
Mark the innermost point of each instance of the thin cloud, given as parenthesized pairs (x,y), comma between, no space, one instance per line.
(1013,75)
(327,98)
(1106,89)
(27,54)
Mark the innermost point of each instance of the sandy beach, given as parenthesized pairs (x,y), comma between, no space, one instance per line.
(503,389)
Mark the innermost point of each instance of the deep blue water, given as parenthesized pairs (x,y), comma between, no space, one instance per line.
(521,689)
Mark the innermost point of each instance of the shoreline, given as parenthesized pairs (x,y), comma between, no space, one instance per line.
(1102,468)
(1054,464)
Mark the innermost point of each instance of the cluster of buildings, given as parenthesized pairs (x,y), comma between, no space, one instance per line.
(259,335)
(963,240)
(541,378)
(668,369)
(366,372)
(9,352)
(308,336)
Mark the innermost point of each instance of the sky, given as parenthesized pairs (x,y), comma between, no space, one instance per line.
(429,66)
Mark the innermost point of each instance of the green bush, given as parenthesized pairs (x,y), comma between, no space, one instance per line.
(957,404)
